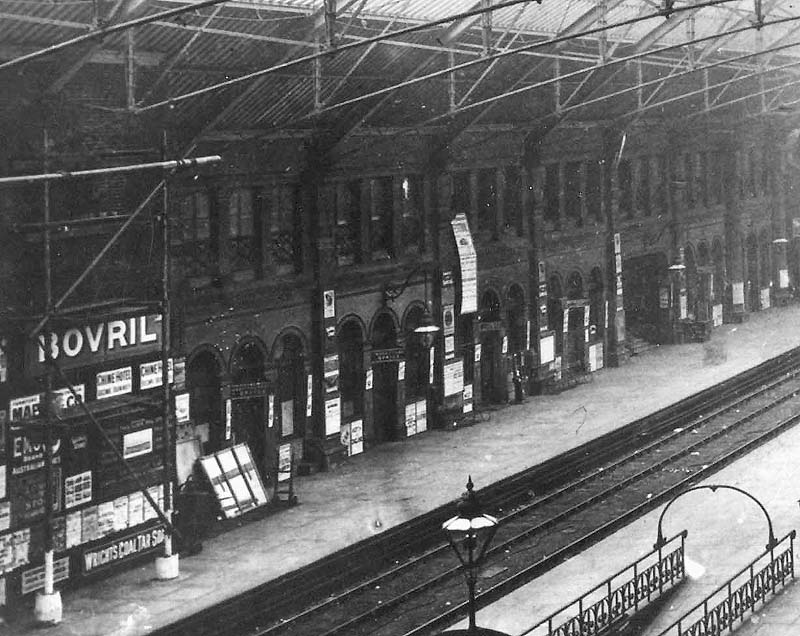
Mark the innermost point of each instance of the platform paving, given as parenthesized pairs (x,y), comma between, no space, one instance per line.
(398,481)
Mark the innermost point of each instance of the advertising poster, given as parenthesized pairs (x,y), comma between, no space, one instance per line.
(137,443)
(284,462)
(270,411)
(21,543)
(449,346)
(448,320)
(309,395)
(287,418)
(73,529)
(453,378)
(331,374)
(3,361)
(182,408)
(401,370)
(77,489)
(135,508)
(2,482)
(105,518)
(431,360)
(121,513)
(114,382)
(738,293)
(469,263)
(478,349)
(150,374)
(6,553)
(329,304)
(122,549)
(5,515)
(411,419)
(179,379)
(89,530)
(228,410)
(765,304)
(422,416)
(23,408)
(356,437)
(333,418)
(467,407)
(505,345)
(368,380)
(547,350)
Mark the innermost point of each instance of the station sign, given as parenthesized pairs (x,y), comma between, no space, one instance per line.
(99,342)
(387,355)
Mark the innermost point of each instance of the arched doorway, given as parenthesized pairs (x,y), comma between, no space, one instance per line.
(691,281)
(576,334)
(203,383)
(764,268)
(248,413)
(351,370)
(718,254)
(492,373)
(384,373)
(555,314)
(417,364)
(752,291)
(596,302)
(292,390)
(517,323)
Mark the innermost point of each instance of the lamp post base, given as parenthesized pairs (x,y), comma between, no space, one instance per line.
(167,567)
(47,609)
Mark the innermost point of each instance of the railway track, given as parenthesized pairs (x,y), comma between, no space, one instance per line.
(585,495)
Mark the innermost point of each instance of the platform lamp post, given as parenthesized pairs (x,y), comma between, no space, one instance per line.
(470,532)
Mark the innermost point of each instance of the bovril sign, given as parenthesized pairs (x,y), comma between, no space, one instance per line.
(118,550)
(98,342)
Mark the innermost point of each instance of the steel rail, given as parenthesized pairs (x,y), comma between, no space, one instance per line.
(497,591)
(530,530)
(526,509)
(319,579)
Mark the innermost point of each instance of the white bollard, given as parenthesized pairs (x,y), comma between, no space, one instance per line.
(167,566)
(47,609)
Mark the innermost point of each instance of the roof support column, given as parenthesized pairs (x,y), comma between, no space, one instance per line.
(734,237)
(613,146)
(486,27)
(130,70)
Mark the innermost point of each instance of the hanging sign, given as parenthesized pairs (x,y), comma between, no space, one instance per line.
(98,342)
(379,356)
(469,263)
(248,390)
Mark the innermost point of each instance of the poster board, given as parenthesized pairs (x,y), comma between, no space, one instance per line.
(234,480)
(547,349)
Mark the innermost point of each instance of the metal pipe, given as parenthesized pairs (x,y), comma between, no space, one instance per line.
(108,30)
(173,164)
(165,350)
(48,389)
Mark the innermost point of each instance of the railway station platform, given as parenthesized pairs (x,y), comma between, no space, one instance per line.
(398,481)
